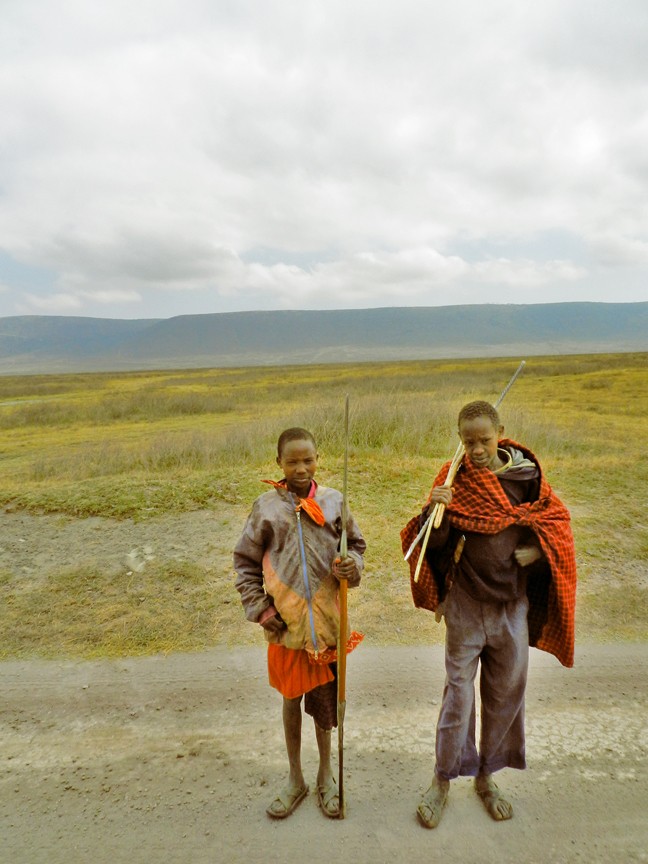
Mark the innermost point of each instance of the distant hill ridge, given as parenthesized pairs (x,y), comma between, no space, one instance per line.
(37,343)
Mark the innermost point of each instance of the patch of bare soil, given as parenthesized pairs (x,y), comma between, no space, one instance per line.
(33,545)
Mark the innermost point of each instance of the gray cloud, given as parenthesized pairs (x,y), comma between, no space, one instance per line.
(168,157)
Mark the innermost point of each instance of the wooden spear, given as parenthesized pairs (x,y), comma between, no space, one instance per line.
(436,515)
(342,634)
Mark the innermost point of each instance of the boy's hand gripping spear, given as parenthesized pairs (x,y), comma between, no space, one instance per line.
(436,514)
(342,634)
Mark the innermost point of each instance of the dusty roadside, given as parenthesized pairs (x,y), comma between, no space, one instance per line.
(173,759)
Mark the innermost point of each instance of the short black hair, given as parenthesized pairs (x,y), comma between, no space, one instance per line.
(479,408)
(295,433)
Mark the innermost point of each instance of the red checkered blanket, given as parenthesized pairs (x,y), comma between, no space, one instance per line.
(479,504)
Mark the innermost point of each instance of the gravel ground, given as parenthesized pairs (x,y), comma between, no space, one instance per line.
(174,759)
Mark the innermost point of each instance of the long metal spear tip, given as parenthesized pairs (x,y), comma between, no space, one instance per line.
(436,513)
(345,491)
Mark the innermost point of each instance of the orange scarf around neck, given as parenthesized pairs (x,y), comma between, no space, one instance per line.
(308,505)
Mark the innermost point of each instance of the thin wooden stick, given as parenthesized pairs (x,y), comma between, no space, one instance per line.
(452,473)
(439,515)
(436,516)
(408,554)
(342,633)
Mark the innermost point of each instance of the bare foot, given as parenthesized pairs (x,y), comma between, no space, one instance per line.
(498,807)
(430,810)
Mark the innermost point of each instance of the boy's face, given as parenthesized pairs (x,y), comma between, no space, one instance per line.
(479,436)
(298,461)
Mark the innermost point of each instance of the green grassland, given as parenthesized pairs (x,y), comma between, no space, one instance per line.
(140,445)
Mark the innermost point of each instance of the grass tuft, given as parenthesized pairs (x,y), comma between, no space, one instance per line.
(169,606)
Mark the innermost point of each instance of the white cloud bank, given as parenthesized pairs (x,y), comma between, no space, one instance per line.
(167,157)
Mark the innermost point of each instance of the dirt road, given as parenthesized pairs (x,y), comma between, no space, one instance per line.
(174,759)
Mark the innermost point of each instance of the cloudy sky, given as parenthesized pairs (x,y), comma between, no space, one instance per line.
(163,157)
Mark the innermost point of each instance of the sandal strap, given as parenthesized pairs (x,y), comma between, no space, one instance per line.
(328,793)
(288,796)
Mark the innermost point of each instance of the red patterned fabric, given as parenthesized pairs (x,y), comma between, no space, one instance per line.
(330,655)
(479,504)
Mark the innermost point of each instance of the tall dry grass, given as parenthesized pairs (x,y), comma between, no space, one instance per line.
(143,444)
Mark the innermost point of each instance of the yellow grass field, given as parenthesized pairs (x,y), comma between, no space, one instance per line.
(138,448)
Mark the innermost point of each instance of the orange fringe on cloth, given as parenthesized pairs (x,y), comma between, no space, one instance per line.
(295,672)
(329,655)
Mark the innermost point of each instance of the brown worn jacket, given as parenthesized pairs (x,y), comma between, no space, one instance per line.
(283,558)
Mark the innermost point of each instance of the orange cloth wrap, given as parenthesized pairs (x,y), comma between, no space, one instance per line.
(291,673)
(295,672)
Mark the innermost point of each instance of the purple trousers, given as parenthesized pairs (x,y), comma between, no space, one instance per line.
(495,637)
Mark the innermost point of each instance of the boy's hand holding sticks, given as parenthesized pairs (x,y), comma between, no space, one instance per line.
(344,568)
(440,497)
